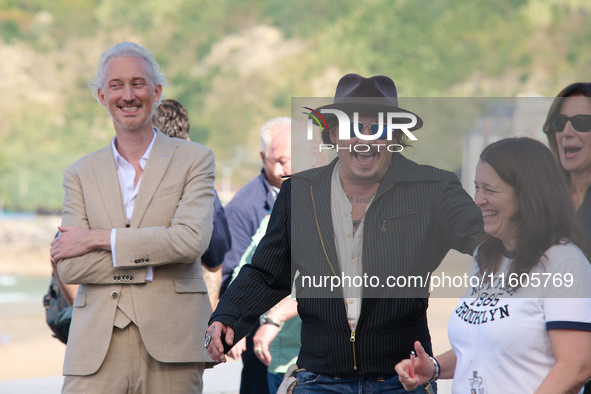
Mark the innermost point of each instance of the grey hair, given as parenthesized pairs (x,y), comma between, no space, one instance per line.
(270,130)
(127,49)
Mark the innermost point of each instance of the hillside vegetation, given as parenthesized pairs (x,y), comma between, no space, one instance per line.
(234,64)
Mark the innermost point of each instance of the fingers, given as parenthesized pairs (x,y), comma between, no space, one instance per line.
(266,356)
(234,353)
(403,369)
(229,335)
(237,349)
(242,345)
(215,349)
(54,253)
(261,350)
(421,353)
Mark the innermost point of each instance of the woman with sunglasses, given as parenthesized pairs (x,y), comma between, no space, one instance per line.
(515,331)
(568,128)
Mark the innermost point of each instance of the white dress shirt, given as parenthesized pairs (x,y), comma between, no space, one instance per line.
(126,174)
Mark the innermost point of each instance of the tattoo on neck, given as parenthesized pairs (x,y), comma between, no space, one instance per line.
(356,200)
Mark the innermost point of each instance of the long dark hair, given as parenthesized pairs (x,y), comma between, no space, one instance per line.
(577,88)
(545,215)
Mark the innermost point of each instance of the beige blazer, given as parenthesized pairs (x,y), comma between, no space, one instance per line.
(170,229)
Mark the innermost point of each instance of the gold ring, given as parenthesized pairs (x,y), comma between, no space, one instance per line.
(258,350)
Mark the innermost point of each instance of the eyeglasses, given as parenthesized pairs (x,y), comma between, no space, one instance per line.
(374,128)
(581,123)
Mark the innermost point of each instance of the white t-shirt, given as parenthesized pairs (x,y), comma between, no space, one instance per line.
(500,336)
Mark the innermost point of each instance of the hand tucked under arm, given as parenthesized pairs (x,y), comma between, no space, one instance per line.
(69,291)
(76,241)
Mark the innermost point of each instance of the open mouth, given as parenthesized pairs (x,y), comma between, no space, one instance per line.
(571,150)
(489,214)
(129,109)
(365,157)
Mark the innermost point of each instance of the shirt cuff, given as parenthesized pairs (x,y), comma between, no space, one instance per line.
(113,249)
(568,325)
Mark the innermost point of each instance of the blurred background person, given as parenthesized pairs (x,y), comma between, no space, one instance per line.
(509,337)
(173,120)
(245,213)
(277,340)
(567,128)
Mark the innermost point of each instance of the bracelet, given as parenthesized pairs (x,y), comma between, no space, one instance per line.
(269,320)
(437,370)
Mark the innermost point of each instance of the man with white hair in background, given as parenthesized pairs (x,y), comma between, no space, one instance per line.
(137,217)
(245,212)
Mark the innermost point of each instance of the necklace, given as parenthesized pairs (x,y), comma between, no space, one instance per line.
(364,201)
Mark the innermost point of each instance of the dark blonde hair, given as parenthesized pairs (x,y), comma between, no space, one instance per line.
(172,119)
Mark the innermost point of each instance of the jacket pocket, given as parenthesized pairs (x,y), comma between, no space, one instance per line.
(190,285)
(80,300)
(167,191)
(399,217)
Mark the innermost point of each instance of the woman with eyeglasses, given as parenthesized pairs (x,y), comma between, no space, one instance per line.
(524,323)
(568,128)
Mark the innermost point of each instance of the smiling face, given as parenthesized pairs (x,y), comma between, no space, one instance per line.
(498,203)
(574,147)
(128,93)
(362,167)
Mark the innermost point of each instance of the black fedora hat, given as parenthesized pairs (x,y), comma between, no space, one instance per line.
(367,96)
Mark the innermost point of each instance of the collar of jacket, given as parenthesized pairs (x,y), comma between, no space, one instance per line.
(270,198)
(401,170)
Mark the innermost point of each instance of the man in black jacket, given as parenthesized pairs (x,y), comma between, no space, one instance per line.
(350,229)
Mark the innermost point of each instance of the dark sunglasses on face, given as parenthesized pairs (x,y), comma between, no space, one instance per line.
(581,123)
(374,128)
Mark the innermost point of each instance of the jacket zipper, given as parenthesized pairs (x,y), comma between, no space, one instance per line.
(353,332)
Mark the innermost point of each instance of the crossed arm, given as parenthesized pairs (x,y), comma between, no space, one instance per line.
(76,241)
(83,250)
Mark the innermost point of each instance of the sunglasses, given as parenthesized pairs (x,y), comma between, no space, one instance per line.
(374,129)
(581,123)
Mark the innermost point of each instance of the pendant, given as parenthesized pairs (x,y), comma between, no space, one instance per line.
(476,384)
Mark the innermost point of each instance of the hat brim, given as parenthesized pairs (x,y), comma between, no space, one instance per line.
(365,108)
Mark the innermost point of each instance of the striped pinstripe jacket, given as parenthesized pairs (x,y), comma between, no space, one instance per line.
(418,215)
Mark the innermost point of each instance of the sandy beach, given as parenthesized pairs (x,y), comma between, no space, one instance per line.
(24,245)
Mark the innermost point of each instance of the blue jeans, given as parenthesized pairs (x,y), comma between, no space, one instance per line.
(274,380)
(310,382)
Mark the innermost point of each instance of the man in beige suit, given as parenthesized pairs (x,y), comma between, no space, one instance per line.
(137,217)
